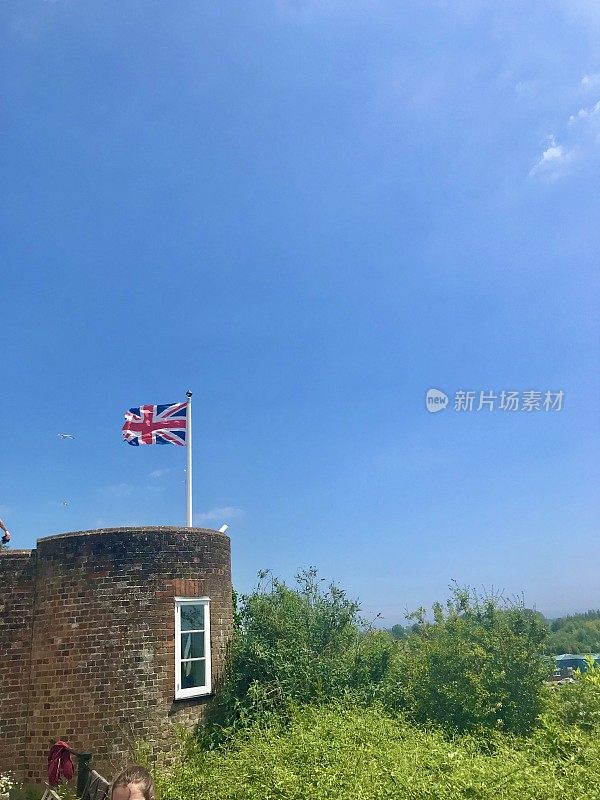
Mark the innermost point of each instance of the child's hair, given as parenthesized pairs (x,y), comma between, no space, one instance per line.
(138,775)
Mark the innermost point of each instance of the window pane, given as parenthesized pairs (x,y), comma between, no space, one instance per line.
(192,645)
(193,673)
(192,617)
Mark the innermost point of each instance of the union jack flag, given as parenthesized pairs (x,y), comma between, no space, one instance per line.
(164,424)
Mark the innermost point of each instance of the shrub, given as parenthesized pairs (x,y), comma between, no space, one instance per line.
(294,645)
(339,752)
(478,664)
(575,704)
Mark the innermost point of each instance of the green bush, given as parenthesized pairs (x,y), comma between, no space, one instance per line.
(295,645)
(341,752)
(478,664)
(575,704)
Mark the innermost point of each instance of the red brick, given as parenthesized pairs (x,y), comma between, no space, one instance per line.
(87,640)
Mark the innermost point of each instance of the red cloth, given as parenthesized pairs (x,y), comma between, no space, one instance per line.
(60,763)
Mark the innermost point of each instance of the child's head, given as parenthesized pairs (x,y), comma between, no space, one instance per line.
(134,783)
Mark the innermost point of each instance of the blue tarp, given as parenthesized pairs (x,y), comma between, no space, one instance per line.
(577,661)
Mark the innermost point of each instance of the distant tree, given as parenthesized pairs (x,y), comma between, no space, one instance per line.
(576,633)
(399,632)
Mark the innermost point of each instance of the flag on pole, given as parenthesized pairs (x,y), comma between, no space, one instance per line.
(161,424)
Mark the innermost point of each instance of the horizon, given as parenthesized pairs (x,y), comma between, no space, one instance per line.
(377,621)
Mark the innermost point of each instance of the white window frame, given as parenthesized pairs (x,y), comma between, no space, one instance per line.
(194,691)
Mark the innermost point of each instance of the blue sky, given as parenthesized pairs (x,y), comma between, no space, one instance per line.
(309,213)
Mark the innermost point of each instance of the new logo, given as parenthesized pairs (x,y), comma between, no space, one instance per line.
(435,400)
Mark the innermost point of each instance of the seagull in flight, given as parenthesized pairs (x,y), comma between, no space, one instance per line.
(65,435)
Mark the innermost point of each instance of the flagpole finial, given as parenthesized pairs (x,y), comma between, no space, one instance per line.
(188,393)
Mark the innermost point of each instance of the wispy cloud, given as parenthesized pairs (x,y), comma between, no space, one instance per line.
(526,87)
(591,81)
(579,141)
(585,114)
(553,162)
(218,514)
(159,473)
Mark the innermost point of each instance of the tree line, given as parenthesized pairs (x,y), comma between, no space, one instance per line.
(575,633)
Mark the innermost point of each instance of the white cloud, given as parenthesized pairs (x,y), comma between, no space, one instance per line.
(591,81)
(159,473)
(585,113)
(218,514)
(526,87)
(553,162)
(580,142)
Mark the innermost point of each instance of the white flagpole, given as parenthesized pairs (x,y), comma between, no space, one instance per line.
(188,441)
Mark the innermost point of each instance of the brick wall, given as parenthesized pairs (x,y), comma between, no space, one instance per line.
(17,574)
(102,669)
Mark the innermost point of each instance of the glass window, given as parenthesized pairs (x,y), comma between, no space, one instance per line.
(193,674)
(192,617)
(192,647)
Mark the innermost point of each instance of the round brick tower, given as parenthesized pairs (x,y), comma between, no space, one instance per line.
(122,621)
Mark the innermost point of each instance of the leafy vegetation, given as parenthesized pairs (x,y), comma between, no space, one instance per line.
(294,645)
(342,751)
(478,664)
(317,704)
(578,633)
(577,704)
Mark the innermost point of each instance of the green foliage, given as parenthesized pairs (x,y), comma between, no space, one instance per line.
(314,704)
(478,664)
(294,645)
(399,631)
(575,704)
(66,792)
(577,633)
(339,752)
